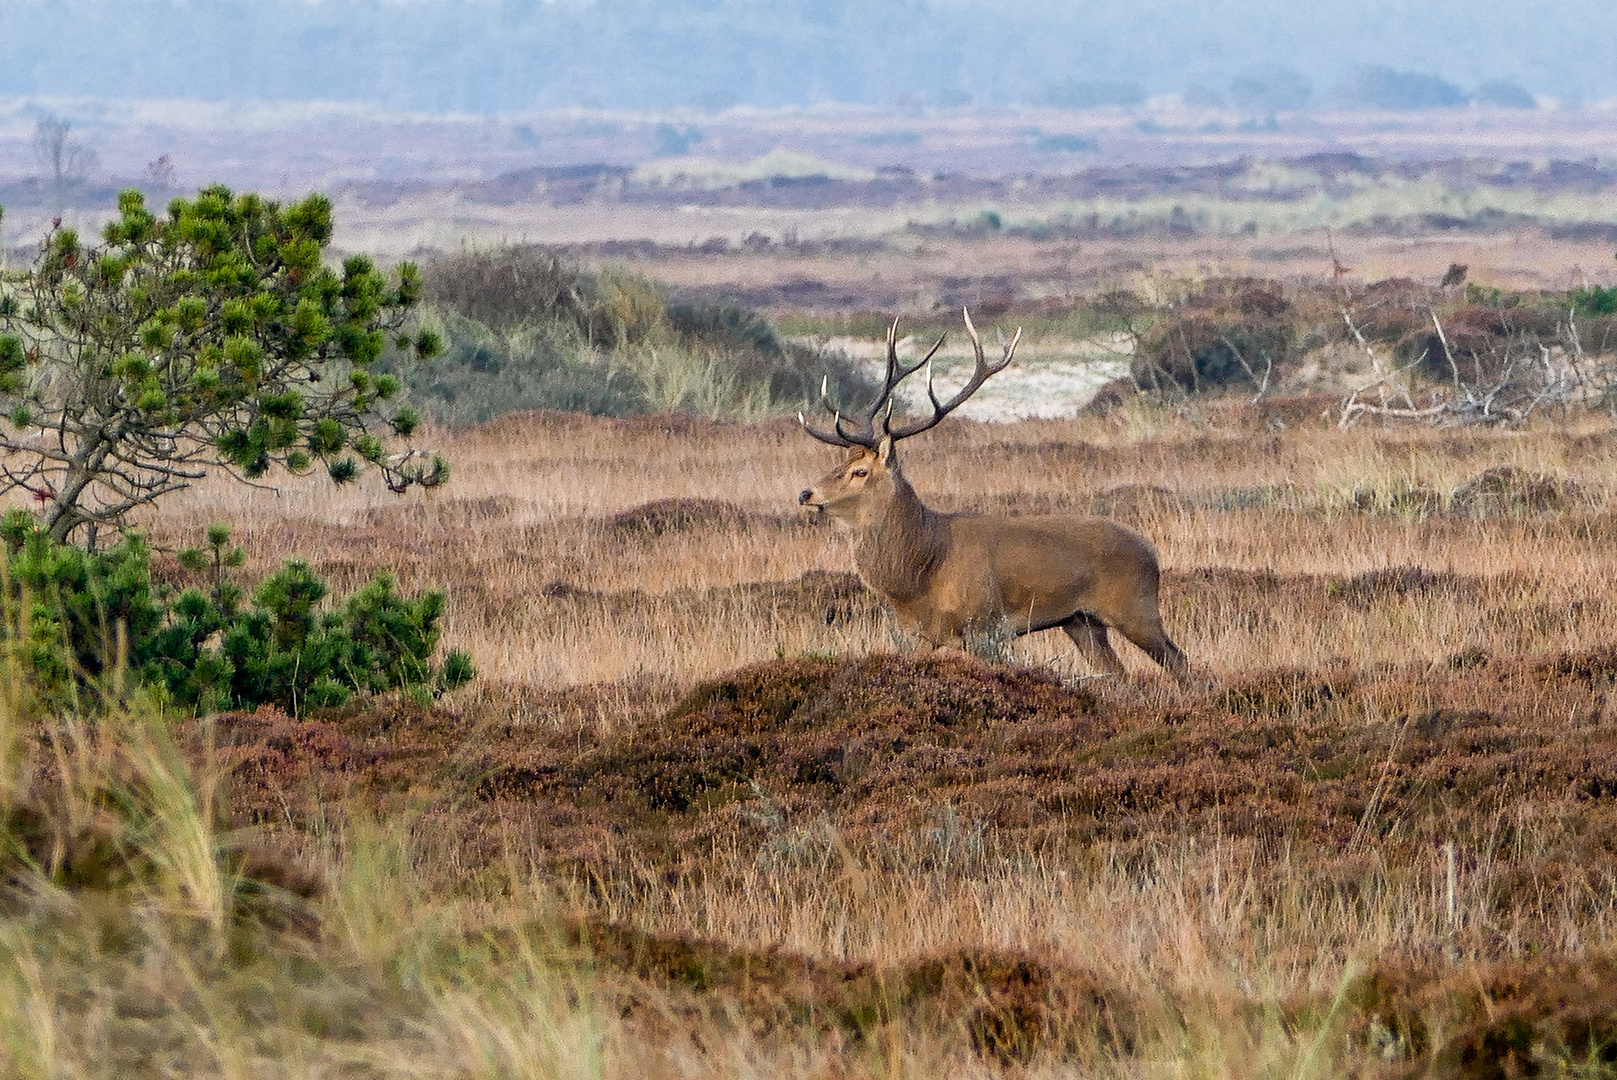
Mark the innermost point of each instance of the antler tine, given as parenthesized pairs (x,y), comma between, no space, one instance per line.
(888,382)
(838,435)
(1011,348)
(977,345)
(855,438)
(976,342)
(980,374)
(897,371)
(825,437)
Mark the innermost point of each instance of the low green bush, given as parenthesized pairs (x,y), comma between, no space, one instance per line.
(210,645)
(484,373)
(526,330)
(1594,300)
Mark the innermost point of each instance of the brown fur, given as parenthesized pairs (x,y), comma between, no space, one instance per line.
(952,577)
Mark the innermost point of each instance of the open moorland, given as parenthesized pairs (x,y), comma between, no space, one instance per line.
(702,814)
(705,809)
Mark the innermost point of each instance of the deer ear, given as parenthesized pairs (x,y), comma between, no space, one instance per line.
(884,450)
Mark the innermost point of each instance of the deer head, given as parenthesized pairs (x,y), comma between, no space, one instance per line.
(854,493)
(872,468)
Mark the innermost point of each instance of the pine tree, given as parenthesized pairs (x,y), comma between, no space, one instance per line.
(212,337)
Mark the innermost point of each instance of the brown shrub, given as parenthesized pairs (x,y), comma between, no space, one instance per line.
(822,595)
(1506,489)
(1490,1021)
(663,516)
(1007,1007)
(81,820)
(873,744)
(1390,310)
(1378,586)
(1300,410)
(1130,502)
(1110,396)
(1483,341)
(1232,332)
(1408,1018)
(281,768)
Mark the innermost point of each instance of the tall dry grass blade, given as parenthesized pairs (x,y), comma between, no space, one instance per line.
(177,813)
(29,1032)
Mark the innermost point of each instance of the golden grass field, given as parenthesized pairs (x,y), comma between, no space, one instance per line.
(1371,838)
(535,498)
(703,813)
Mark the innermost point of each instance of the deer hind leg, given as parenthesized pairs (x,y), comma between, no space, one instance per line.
(1089,634)
(1144,628)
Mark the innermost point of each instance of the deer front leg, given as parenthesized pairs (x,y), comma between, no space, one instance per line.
(935,631)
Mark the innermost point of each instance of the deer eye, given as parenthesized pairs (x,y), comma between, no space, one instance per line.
(860,472)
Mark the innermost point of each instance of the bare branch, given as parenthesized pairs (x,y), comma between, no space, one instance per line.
(1448,354)
(1263,385)
(1382,380)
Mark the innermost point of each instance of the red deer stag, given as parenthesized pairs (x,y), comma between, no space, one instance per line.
(955,577)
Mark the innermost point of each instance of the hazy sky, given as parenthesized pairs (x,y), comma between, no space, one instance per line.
(497,56)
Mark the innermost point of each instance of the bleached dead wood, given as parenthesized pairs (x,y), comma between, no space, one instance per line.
(1522,389)
(1382,380)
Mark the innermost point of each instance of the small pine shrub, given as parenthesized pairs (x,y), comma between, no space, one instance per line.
(210,646)
(1594,300)
(1234,331)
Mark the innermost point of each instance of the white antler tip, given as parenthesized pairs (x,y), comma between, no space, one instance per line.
(971,329)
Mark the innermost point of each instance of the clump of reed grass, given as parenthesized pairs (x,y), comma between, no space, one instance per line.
(526,329)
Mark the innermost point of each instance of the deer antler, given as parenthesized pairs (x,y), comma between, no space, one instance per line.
(979,375)
(897,371)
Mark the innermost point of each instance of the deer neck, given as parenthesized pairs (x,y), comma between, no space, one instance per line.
(897,547)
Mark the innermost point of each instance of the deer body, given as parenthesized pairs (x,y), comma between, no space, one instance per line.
(953,577)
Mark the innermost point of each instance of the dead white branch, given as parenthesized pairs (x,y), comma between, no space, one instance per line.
(1448,354)
(1382,381)
(1352,407)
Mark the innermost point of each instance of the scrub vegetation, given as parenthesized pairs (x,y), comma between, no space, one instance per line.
(703,812)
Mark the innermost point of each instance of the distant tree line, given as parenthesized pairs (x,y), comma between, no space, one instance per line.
(506,55)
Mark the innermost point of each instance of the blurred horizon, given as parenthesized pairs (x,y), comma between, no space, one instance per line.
(511,56)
